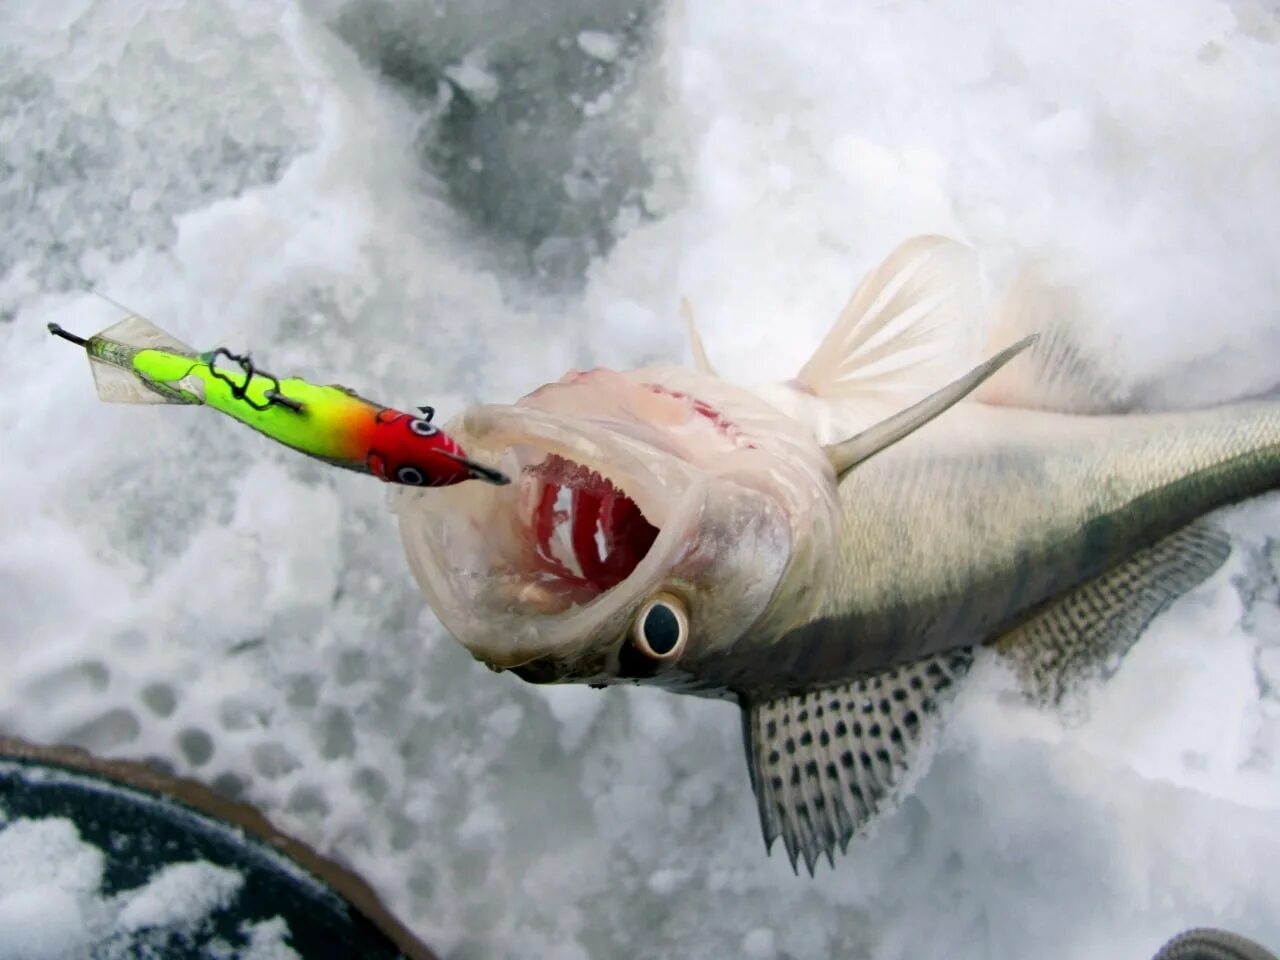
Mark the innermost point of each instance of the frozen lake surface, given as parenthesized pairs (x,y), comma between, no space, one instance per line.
(454,202)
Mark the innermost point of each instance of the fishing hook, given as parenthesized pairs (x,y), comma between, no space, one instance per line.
(273,394)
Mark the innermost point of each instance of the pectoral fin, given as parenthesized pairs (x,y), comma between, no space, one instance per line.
(824,763)
(849,453)
(1085,633)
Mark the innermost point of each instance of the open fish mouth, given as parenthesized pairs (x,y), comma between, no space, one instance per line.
(597,513)
(588,534)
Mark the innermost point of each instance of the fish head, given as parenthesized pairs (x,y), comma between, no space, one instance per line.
(655,519)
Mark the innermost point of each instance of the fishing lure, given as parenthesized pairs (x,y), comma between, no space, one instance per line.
(136,362)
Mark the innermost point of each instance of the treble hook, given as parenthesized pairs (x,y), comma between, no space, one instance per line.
(239,390)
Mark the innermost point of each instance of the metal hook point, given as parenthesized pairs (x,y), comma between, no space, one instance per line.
(57,331)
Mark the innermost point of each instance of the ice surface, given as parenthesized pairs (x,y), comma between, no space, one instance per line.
(295,180)
(52,906)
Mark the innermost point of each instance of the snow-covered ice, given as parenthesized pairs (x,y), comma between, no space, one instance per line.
(458,201)
(53,906)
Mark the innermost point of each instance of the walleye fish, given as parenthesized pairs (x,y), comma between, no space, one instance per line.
(829,552)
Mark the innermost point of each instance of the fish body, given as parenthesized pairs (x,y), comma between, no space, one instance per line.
(135,362)
(953,536)
(829,552)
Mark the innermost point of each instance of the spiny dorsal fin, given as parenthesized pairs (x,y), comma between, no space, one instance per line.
(1084,634)
(824,763)
(1062,372)
(906,325)
(849,453)
(700,361)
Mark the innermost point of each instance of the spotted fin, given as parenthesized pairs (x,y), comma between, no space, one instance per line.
(824,763)
(912,325)
(1084,634)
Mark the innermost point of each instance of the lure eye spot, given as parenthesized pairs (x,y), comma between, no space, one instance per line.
(661,627)
(411,476)
(423,427)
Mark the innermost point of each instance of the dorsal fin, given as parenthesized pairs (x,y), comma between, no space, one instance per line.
(1061,372)
(700,361)
(907,325)
(849,453)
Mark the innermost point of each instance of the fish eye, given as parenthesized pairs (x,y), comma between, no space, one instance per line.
(423,427)
(661,627)
(411,476)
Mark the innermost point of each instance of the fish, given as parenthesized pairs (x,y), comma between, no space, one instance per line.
(134,361)
(830,553)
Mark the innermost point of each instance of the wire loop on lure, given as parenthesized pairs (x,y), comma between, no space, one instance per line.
(239,391)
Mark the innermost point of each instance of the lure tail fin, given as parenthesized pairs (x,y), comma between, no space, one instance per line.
(142,334)
(111,354)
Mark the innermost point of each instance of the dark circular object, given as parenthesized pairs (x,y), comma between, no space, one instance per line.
(1206,943)
(423,427)
(661,627)
(411,476)
(143,821)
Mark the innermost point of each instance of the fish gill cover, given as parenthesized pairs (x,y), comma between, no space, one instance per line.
(346,187)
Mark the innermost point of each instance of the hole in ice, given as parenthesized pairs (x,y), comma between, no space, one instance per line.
(70,683)
(307,800)
(422,882)
(273,760)
(235,713)
(371,783)
(404,832)
(338,735)
(303,691)
(109,731)
(229,785)
(159,698)
(353,666)
(196,746)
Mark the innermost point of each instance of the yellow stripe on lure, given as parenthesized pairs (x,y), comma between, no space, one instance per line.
(136,362)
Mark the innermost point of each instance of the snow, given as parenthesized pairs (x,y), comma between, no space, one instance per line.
(52,906)
(179,894)
(297,181)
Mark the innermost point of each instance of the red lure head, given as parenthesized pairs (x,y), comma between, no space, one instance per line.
(407,449)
